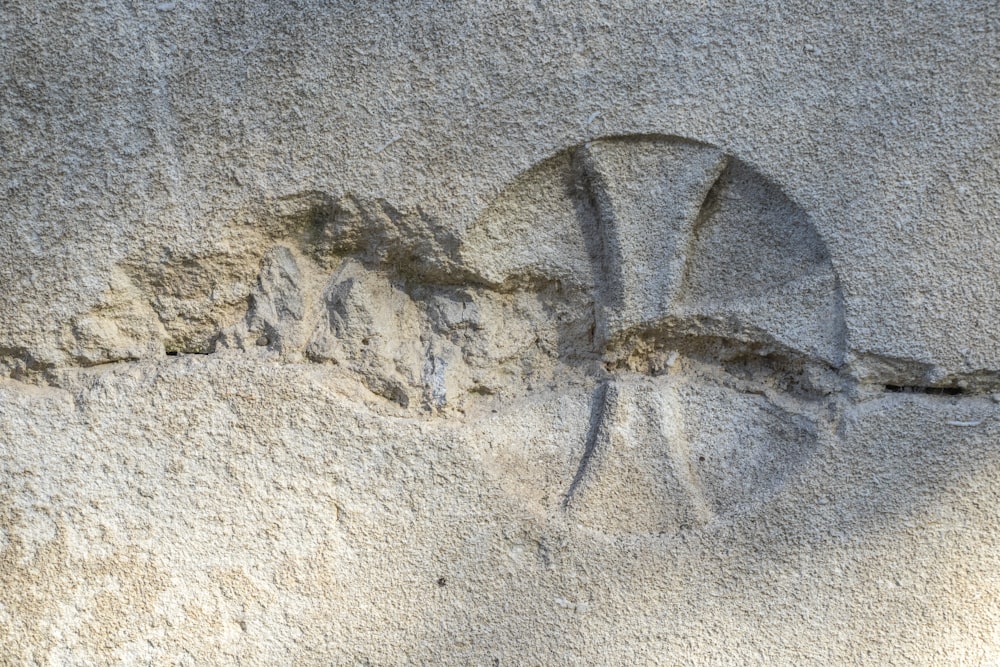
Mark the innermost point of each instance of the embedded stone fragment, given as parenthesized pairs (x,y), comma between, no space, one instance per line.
(278,305)
(372,328)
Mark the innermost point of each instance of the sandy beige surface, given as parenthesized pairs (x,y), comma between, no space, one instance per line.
(542,333)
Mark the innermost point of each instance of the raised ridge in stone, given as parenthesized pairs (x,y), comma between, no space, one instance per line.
(648,196)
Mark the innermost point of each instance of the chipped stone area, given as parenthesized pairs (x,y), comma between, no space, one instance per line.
(346,432)
(615,253)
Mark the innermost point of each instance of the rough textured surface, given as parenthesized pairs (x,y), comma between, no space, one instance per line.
(633,333)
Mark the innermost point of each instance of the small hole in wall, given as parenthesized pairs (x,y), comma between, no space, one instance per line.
(365,341)
(172,353)
(701,458)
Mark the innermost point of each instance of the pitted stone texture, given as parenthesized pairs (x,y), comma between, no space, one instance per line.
(258,512)
(251,506)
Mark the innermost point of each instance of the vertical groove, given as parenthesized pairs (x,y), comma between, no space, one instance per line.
(596,220)
(598,411)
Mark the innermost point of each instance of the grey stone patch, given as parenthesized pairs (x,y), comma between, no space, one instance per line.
(277,307)
(250,505)
(453,312)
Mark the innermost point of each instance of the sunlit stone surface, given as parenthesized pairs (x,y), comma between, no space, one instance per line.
(411,333)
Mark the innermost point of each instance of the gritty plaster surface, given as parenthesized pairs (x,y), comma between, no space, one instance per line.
(306,190)
(268,519)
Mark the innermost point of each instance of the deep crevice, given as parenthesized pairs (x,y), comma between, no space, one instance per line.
(936,391)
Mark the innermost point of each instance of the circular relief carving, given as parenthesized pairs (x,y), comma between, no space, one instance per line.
(716,318)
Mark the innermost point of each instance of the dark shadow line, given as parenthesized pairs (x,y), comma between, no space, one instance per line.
(598,403)
(710,205)
(596,217)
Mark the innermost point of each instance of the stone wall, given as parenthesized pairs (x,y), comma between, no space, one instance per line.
(501,334)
